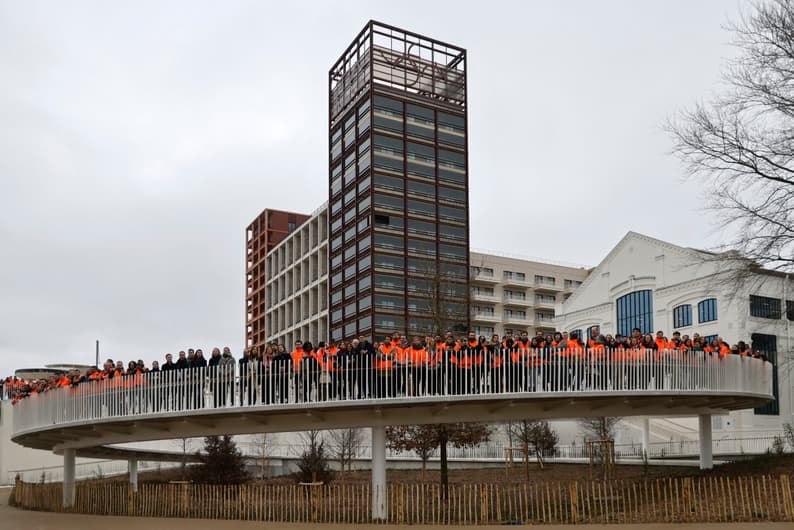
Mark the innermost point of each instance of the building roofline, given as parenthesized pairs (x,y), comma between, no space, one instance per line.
(273,210)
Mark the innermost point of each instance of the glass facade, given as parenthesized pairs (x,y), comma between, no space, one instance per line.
(398,188)
(635,310)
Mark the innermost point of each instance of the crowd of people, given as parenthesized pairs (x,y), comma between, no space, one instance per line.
(395,366)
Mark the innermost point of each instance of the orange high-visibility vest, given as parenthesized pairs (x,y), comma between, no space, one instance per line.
(297,358)
(386,354)
(417,356)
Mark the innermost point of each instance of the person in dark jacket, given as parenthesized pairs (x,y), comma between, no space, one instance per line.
(364,360)
(346,370)
(196,379)
(280,367)
(310,371)
(246,384)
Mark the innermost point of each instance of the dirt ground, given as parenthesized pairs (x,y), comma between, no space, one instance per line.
(15,519)
(761,465)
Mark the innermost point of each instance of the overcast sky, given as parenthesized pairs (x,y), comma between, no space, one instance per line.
(138,139)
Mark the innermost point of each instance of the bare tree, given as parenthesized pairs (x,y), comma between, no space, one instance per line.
(601,432)
(601,428)
(185,447)
(445,307)
(345,444)
(425,439)
(741,144)
(313,462)
(533,435)
(263,449)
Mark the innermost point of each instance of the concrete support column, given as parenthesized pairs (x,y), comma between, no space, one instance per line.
(379,473)
(68,477)
(646,436)
(704,436)
(132,466)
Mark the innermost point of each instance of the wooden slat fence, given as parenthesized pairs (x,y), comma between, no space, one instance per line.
(668,500)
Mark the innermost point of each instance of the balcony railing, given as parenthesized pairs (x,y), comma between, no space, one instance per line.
(480,297)
(485,317)
(485,278)
(366,377)
(516,319)
(516,301)
(512,279)
(545,285)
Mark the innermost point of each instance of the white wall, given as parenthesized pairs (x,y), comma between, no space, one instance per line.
(678,276)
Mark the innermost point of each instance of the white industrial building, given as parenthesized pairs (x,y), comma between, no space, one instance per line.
(647,283)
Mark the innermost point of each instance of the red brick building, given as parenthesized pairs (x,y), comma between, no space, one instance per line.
(265,232)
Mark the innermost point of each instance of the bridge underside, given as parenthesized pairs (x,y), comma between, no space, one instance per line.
(88,438)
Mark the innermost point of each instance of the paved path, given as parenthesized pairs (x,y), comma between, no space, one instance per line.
(14,519)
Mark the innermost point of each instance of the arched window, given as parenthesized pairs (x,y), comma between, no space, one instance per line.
(592,331)
(682,316)
(635,310)
(707,310)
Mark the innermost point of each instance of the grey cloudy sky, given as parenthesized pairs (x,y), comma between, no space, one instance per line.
(138,139)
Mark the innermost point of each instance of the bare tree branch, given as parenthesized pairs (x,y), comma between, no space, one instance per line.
(741,144)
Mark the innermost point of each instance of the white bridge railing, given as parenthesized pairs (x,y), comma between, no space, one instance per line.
(353,377)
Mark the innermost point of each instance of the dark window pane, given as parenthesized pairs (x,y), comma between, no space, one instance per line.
(421,208)
(763,307)
(389,262)
(364,283)
(449,212)
(389,202)
(422,247)
(385,103)
(422,267)
(388,242)
(707,310)
(448,194)
(452,251)
(452,232)
(389,183)
(389,303)
(389,222)
(388,144)
(389,323)
(682,316)
(421,188)
(421,227)
(383,281)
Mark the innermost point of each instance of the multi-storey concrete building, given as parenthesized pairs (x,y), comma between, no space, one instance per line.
(508,293)
(296,288)
(261,236)
(518,294)
(397,242)
(398,185)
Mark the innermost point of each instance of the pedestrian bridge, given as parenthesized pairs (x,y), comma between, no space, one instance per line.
(277,398)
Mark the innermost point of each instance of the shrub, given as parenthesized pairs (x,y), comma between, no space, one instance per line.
(778,445)
(313,464)
(220,463)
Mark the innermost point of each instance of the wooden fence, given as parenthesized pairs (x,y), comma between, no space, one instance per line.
(680,499)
